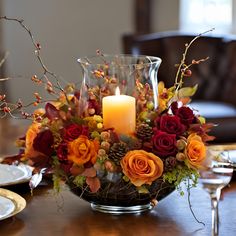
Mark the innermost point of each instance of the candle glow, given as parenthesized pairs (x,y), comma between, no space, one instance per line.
(119,113)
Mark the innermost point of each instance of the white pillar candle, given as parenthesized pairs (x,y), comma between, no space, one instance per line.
(119,113)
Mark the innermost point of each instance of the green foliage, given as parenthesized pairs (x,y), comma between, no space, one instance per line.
(55,129)
(95,134)
(58,174)
(56,183)
(181,174)
(78,120)
(64,108)
(79,180)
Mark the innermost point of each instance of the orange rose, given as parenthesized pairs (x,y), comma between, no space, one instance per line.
(82,150)
(141,167)
(31,133)
(195,151)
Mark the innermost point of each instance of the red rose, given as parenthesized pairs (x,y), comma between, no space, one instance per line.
(164,144)
(62,152)
(184,113)
(43,142)
(174,107)
(170,124)
(73,131)
(66,167)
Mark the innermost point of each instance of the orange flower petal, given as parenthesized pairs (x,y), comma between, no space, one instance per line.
(141,167)
(82,150)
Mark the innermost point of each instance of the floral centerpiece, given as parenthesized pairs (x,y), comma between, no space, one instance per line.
(116,170)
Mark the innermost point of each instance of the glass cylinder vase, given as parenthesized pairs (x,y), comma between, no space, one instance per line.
(107,75)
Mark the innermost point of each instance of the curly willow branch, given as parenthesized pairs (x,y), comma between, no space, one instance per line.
(190,205)
(180,74)
(37,47)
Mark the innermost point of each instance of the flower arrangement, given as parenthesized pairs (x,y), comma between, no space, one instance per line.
(68,138)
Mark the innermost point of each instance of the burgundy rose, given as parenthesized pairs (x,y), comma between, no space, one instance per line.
(174,107)
(73,131)
(93,104)
(170,124)
(62,152)
(184,113)
(77,94)
(43,142)
(164,144)
(66,167)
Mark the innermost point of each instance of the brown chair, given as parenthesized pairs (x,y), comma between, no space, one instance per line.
(216,77)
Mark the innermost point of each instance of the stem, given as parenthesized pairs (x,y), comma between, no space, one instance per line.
(190,205)
(179,82)
(37,52)
(37,48)
(215,212)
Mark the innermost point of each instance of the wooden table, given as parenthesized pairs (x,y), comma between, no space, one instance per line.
(67,215)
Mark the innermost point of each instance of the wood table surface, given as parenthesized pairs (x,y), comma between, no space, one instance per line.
(66,214)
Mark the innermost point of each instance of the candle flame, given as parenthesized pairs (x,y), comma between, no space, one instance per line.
(117,91)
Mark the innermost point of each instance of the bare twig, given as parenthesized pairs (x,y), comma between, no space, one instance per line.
(37,47)
(4,59)
(190,205)
(180,74)
(8,108)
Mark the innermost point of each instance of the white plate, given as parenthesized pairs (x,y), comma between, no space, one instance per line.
(10,203)
(11,174)
(231,154)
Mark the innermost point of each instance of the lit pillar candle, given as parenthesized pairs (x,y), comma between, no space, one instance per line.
(119,113)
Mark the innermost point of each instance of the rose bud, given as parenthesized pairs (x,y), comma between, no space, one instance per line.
(105,135)
(180,156)
(109,165)
(181,144)
(101,152)
(105,145)
(187,73)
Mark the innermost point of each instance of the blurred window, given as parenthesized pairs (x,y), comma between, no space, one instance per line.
(200,15)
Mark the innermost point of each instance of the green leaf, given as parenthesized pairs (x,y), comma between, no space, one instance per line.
(142,189)
(64,108)
(125,178)
(188,91)
(202,119)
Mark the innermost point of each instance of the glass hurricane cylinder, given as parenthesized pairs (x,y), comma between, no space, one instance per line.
(121,90)
(109,75)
